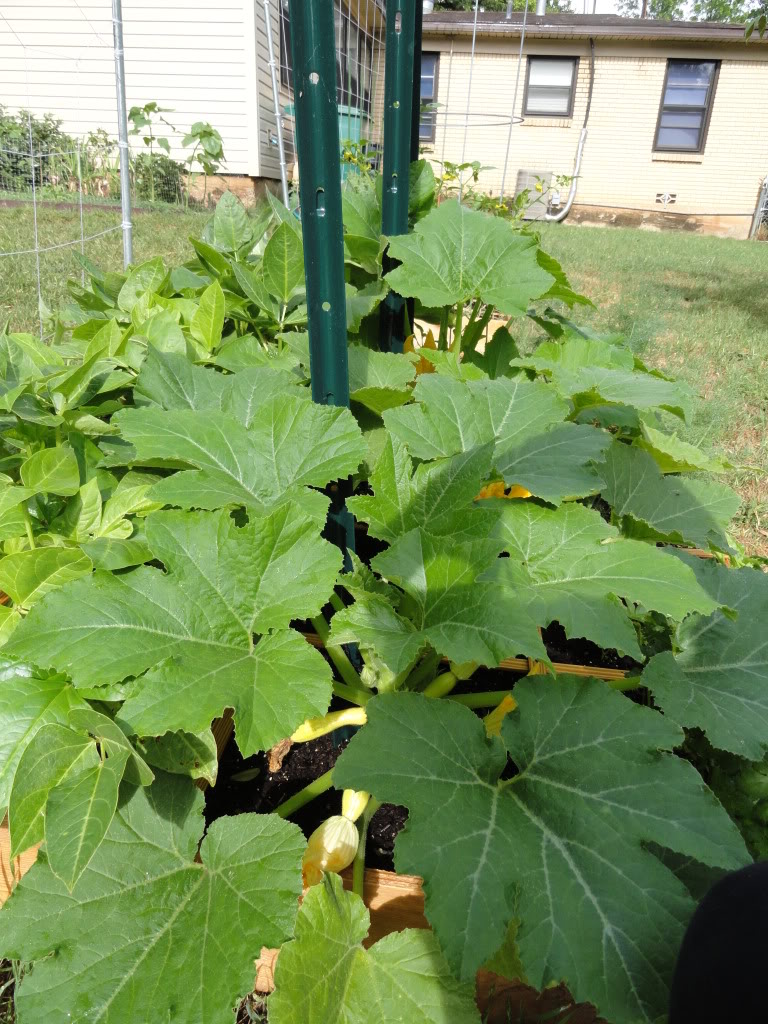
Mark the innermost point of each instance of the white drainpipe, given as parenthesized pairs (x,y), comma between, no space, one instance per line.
(562,214)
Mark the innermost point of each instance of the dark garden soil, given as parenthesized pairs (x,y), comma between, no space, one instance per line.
(303,763)
(582,652)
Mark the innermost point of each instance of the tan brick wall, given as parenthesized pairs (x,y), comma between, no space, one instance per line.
(619,167)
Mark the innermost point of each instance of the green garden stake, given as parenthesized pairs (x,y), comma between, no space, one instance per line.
(317,138)
(398,103)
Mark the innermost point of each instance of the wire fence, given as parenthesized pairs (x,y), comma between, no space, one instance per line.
(60,188)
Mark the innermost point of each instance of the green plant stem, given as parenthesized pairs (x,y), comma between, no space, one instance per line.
(341,662)
(473,338)
(358,865)
(316,788)
(28,528)
(354,694)
(456,346)
(442,342)
(489,699)
(424,670)
(336,603)
(441,685)
(473,315)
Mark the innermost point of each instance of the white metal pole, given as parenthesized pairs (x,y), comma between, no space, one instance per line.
(122,131)
(276,99)
(514,103)
(34,223)
(469,95)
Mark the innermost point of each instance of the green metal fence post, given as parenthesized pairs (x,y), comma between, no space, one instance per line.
(398,104)
(317,138)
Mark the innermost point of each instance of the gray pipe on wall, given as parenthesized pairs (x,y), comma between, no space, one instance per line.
(562,214)
(541,6)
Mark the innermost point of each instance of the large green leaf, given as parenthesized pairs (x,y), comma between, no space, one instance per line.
(27,576)
(560,845)
(77,815)
(674,455)
(27,702)
(54,752)
(438,496)
(147,277)
(208,322)
(231,227)
(556,464)
(52,471)
(147,933)
(569,565)
(191,628)
(455,254)
(326,975)
(594,371)
(171,381)
(183,753)
(446,605)
(290,443)
(379,380)
(452,416)
(676,509)
(283,262)
(718,679)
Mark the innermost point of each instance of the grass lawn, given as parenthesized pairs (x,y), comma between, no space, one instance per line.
(154,234)
(691,305)
(696,307)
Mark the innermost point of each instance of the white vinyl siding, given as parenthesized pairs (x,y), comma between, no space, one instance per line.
(194,56)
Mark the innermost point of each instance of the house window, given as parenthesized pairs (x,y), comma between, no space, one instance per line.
(686,104)
(430,63)
(549,86)
(354,59)
(286,58)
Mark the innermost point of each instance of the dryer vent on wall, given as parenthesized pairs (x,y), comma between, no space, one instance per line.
(529,180)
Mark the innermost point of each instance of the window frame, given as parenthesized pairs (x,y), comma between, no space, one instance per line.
(706,110)
(574,59)
(436,80)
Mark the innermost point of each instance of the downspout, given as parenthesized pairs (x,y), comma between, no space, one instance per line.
(562,214)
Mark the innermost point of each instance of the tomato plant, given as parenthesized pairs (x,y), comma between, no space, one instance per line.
(164,494)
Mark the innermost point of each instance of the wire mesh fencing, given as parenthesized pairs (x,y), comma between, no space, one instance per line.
(359,58)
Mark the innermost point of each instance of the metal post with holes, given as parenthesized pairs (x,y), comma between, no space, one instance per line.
(122,130)
(416,99)
(317,138)
(398,103)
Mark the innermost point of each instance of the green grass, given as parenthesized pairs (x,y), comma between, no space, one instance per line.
(691,305)
(697,308)
(155,233)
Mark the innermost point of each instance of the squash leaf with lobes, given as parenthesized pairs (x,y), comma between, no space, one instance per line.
(146,933)
(560,845)
(403,977)
(455,254)
(191,629)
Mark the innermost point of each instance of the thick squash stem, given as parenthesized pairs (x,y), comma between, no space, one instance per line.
(314,728)
(441,685)
(315,788)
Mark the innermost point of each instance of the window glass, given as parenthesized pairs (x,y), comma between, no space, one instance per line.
(549,86)
(685,105)
(428,121)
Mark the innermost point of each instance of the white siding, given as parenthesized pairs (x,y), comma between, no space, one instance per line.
(195,56)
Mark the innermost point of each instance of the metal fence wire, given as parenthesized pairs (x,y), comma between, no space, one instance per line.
(81,177)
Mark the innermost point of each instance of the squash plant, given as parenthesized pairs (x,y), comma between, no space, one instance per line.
(165,491)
